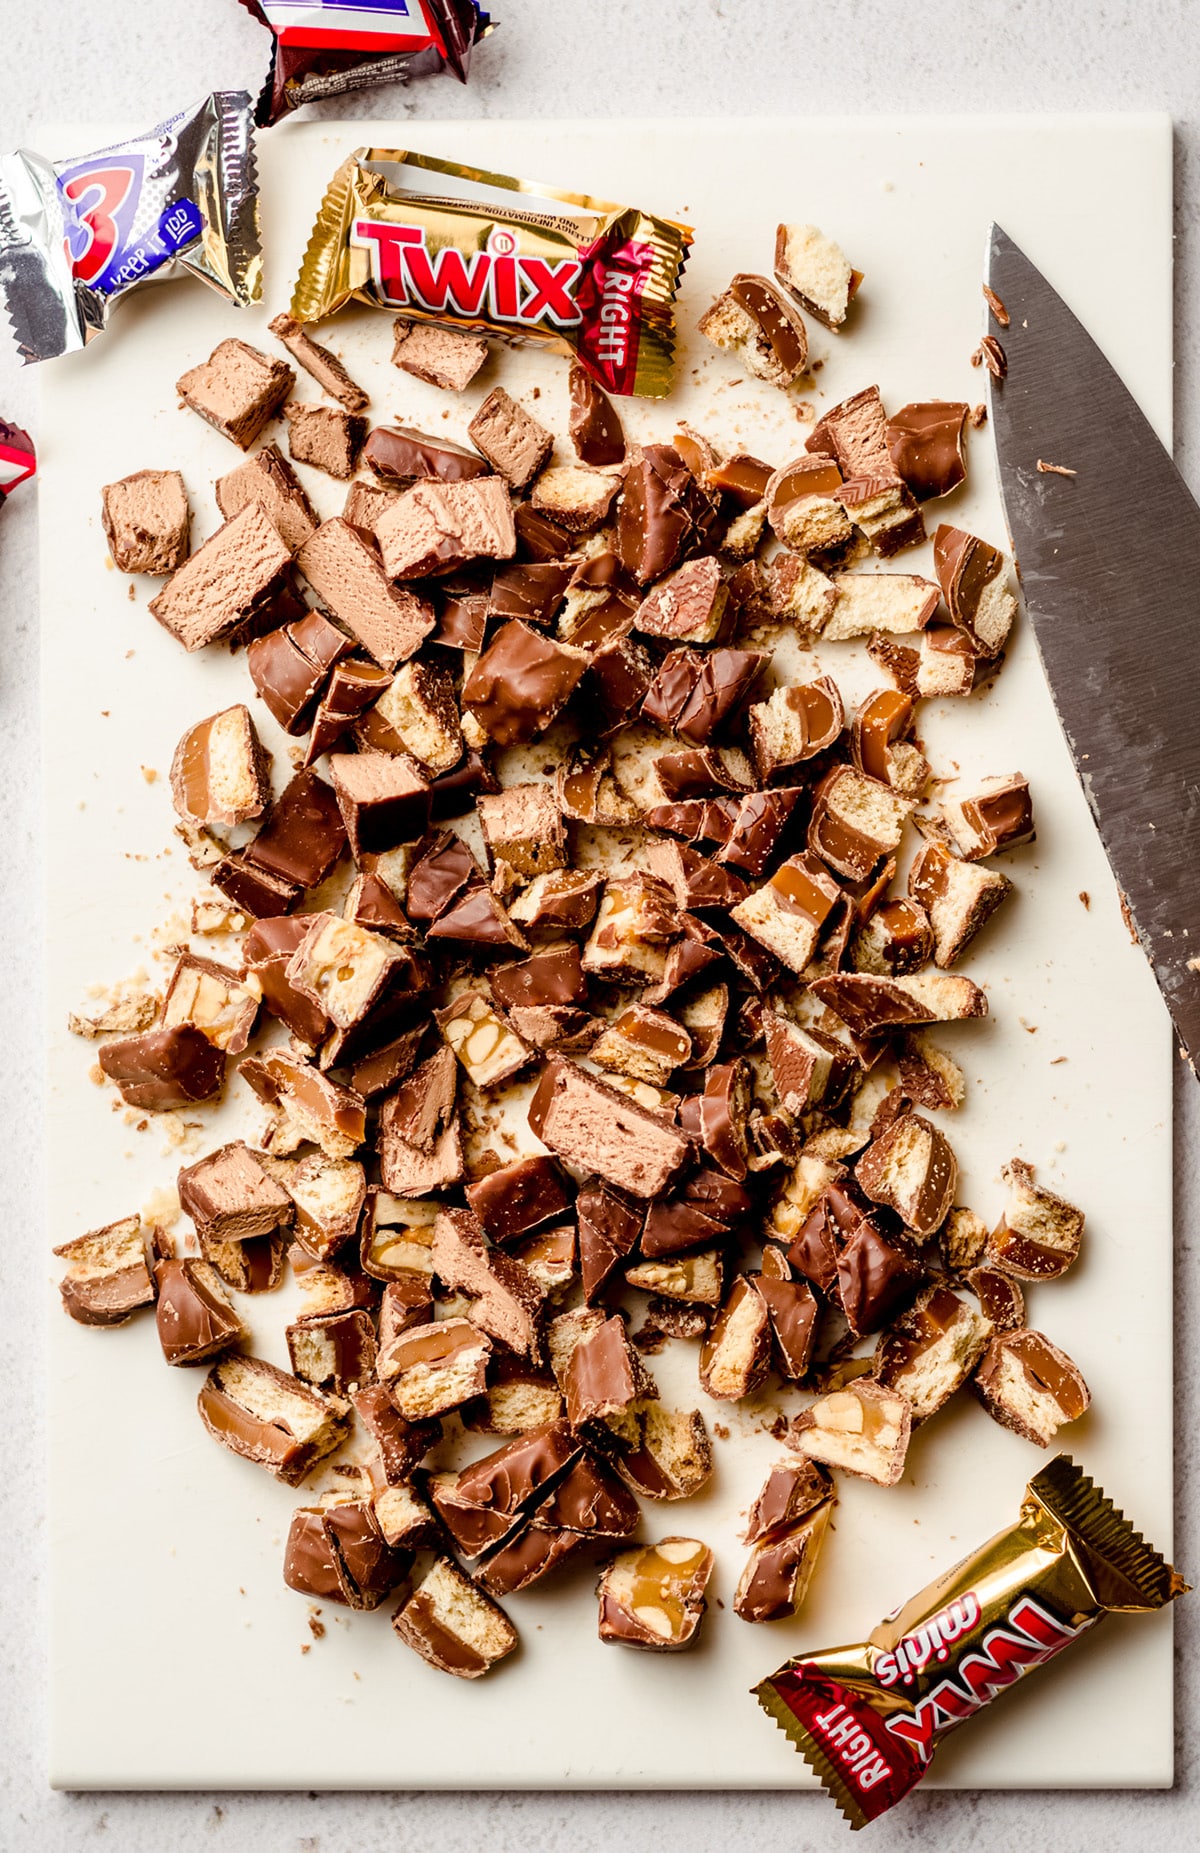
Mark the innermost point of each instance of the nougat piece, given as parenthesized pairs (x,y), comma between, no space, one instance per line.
(869,603)
(193,1314)
(789,912)
(325,436)
(146,521)
(513,441)
(974,581)
(816,271)
(384,800)
(418,1138)
(441,357)
(454,1626)
(912,1169)
(523,827)
(269,479)
(237,390)
(854,434)
(221,771)
(419,710)
(736,1354)
(645,1044)
(797,722)
(957,896)
(333,1351)
(871,1006)
(761,327)
(346,573)
(594,1127)
(864,1429)
(431,1369)
(695,1278)
(800,593)
(336,1552)
(577,498)
(1039,1235)
(604,1374)
(235,576)
(108,1276)
(270,1418)
(507,1301)
(230,1197)
(997,814)
(932,1349)
(855,822)
(489,1050)
(205,995)
(324,366)
(1029,1386)
(653,1597)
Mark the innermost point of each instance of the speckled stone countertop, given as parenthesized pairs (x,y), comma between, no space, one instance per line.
(137,59)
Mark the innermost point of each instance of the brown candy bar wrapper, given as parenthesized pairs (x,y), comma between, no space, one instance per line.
(587,277)
(868,1717)
(326,48)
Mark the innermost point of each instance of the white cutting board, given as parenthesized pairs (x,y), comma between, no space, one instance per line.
(176,1657)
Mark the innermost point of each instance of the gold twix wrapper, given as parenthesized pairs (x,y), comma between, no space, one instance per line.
(868,1717)
(438,242)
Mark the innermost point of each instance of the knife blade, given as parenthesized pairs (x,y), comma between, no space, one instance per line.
(1109,563)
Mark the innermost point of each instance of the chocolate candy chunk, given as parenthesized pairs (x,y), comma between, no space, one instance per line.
(417,714)
(328,1196)
(332,1351)
(646,1045)
(796,723)
(879,747)
(594,425)
(290,677)
(523,827)
(554,976)
(383,800)
(164,1068)
(221,772)
(269,479)
(995,816)
(872,1006)
(519,1197)
(763,329)
(884,511)
(266,953)
(400,454)
(237,390)
(863,1429)
(1039,1235)
(434,1368)
(816,271)
(269,1418)
(805,509)
(752,831)
(698,771)
(854,434)
(574,497)
(875,1275)
(407,1301)
(724,1111)
(604,1374)
(654,1597)
(741,477)
(418,1138)
(809,1068)
(788,913)
(364,504)
(344,571)
(211,998)
(337,1553)
(550,1257)
(974,581)
(351,688)
(591,1125)
(442,869)
(511,439)
(689,606)
(507,1300)
(526,1555)
(695,1278)
(107,1276)
(227,583)
(404,1518)
(661,1453)
(941,662)
(451,1622)
(663,511)
(793,1311)
(562,902)
(478,919)
(378,1072)
(736,1354)
(309,1105)
(327,438)
(775,1581)
(588,1500)
(1029,1386)
(515,1478)
(866,603)
(239,1213)
(401,1445)
(303,835)
(695,881)
(925,444)
(316,360)
(695,694)
(539,538)
(913,1172)
(957,896)
(1001,1300)
(932,1349)
(530,591)
(520,683)
(473,1528)
(792,1490)
(146,521)
(194,1317)
(896,938)
(396,1236)
(439,356)
(609,1227)
(634,923)
(962,1239)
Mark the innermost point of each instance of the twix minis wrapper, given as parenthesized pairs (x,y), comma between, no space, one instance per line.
(438,242)
(868,1717)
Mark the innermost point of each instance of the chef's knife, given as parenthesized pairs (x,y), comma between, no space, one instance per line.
(1109,563)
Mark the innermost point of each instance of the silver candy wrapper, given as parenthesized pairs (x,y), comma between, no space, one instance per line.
(77,235)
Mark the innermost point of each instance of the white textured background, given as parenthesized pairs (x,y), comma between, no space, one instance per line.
(141,59)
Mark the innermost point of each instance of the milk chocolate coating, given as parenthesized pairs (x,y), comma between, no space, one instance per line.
(194,1323)
(303,834)
(661,511)
(443,870)
(609,1226)
(555,976)
(398,453)
(164,1068)
(532,591)
(520,683)
(519,1197)
(759,828)
(539,538)
(594,425)
(925,443)
(286,679)
(874,1277)
(402,1444)
(451,794)
(695,693)
(780,325)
